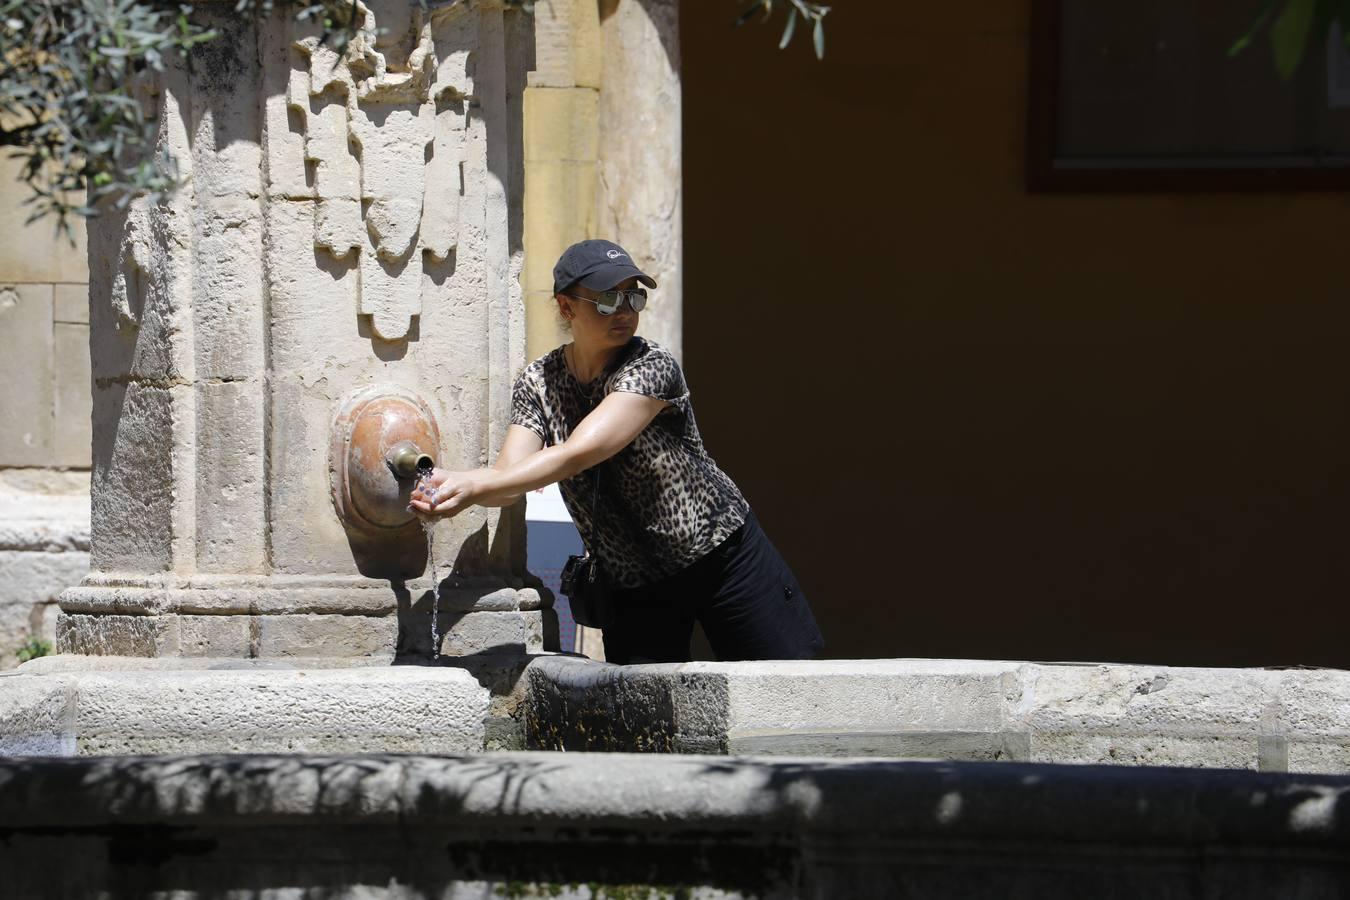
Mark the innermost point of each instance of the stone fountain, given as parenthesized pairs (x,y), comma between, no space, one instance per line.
(331,302)
(339,275)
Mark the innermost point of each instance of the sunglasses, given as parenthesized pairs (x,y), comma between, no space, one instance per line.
(608,303)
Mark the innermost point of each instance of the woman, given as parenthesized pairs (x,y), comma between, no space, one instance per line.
(608,417)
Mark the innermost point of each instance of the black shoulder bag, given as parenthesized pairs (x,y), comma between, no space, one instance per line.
(585,585)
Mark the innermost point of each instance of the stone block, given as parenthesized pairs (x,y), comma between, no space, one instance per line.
(72,304)
(37,716)
(113,635)
(562,124)
(325,635)
(958,745)
(228,320)
(231,512)
(142,433)
(29,580)
(74,396)
(283,126)
(1329,756)
(1148,699)
(44,511)
(482,632)
(215,636)
(567,45)
(26,372)
(386,710)
(865,695)
(307,537)
(1159,748)
(568,187)
(141,291)
(34,252)
(1315,702)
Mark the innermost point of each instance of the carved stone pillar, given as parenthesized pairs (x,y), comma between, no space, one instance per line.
(349,230)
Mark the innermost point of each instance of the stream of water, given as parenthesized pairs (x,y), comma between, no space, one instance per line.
(429,528)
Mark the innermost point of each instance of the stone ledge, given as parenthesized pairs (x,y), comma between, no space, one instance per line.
(103,593)
(334,710)
(382,826)
(298,634)
(952,709)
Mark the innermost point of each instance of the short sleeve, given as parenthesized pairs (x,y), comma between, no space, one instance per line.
(653,374)
(526,410)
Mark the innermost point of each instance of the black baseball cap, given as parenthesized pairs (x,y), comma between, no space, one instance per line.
(597,266)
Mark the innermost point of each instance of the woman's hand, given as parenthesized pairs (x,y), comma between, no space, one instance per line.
(444,493)
(525,464)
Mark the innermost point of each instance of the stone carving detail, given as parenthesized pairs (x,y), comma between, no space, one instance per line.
(384,134)
(133,261)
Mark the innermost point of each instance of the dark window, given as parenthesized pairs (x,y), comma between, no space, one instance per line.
(1144,95)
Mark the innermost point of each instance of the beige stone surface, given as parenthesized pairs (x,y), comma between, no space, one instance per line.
(562,124)
(567,44)
(30,580)
(1160,748)
(72,304)
(37,716)
(33,252)
(639,195)
(113,635)
(143,438)
(231,526)
(866,695)
(44,549)
(44,511)
(1292,720)
(73,400)
(26,371)
(405,709)
(326,635)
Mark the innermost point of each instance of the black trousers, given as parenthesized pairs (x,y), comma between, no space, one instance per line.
(742,593)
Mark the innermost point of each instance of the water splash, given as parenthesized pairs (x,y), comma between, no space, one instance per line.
(429,528)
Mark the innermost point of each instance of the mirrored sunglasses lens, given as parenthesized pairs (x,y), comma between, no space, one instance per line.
(637,300)
(607,304)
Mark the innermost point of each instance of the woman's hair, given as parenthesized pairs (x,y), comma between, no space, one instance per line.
(563,322)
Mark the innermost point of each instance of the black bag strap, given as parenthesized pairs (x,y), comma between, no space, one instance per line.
(595,514)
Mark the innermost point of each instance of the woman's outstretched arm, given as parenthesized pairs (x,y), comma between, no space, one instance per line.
(523,466)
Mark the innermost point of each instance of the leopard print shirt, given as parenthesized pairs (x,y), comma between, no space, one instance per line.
(663,502)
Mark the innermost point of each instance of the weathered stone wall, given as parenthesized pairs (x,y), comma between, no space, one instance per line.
(45,397)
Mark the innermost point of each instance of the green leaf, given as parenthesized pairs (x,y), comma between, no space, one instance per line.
(1245,41)
(1290,35)
(791,27)
(818,37)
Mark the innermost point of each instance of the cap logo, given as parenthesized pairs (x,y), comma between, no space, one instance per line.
(613,254)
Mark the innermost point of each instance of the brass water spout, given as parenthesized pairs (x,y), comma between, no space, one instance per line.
(376,453)
(406,460)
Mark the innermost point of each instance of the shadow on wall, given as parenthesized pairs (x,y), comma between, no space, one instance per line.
(981,422)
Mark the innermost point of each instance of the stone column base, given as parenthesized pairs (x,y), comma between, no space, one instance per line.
(298,616)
